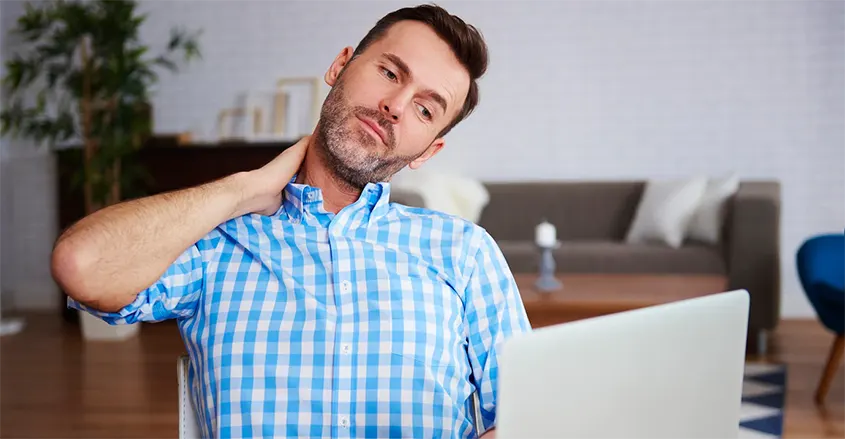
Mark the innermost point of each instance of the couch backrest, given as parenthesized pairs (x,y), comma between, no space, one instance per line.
(599,210)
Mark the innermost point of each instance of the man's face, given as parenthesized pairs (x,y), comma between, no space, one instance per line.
(387,106)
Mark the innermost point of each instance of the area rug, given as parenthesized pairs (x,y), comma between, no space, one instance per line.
(763,395)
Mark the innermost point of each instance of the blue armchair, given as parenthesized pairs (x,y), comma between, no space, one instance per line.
(821,270)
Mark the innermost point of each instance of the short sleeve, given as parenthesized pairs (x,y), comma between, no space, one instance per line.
(494,313)
(174,295)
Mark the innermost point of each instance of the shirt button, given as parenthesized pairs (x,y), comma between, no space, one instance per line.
(345,286)
(346,349)
(344,421)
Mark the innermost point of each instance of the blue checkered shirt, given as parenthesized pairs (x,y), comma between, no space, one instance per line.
(379,321)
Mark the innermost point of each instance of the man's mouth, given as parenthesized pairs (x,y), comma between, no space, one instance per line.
(374,128)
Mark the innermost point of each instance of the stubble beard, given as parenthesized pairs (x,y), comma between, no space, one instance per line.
(351,154)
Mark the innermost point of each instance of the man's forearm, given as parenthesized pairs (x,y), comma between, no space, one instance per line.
(108,257)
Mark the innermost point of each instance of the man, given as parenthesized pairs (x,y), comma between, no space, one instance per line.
(310,305)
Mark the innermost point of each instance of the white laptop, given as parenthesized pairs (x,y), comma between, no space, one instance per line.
(667,371)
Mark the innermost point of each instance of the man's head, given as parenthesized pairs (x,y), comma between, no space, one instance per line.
(411,79)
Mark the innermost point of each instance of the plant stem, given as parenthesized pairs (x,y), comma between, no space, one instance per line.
(86,125)
(115,185)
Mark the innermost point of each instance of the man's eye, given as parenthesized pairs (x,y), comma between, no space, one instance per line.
(390,75)
(425,112)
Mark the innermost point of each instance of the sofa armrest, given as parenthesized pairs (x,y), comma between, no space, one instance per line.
(753,249)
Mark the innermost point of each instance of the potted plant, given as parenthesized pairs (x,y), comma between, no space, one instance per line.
(83,76)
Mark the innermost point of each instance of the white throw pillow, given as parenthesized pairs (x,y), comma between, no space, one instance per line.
(665,210)
(706,223)
(448,193)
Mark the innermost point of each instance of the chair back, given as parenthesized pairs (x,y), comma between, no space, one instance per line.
(189,427)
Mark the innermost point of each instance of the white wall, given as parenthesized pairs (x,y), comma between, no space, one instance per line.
(28,225)
(621,89)
(581,90)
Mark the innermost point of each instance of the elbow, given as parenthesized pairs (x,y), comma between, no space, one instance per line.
(70,266)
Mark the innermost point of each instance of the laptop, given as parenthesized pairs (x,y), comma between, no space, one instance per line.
(667,371)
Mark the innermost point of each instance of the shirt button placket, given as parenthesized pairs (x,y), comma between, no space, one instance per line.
(345,346)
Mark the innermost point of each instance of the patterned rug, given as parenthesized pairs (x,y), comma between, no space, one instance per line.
(763,391)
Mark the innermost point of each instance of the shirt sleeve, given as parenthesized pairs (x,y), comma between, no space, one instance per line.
(175,294)
(494,312)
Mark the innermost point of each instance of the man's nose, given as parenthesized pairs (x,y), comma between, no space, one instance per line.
(390,112)
(393,107)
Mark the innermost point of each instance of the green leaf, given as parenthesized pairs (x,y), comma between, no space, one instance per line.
(136,53)
(176,36)
(119,74)
(166,63)
(192,50)
(54,72)
(21,73)
(33,22)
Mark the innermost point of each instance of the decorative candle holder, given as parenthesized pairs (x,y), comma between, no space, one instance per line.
(547,281)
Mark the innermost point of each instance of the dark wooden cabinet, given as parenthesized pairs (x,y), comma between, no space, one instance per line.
(169,166)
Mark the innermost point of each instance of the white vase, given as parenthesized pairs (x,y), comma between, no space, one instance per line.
(95,329)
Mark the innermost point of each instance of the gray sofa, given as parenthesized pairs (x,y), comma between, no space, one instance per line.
(593,217)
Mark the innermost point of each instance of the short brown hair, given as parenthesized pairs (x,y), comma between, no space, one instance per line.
(465,40)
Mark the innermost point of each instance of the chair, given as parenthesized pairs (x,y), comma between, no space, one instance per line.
(821,271)
(189,427)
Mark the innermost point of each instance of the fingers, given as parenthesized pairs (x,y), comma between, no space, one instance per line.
(297,151)
(290,159)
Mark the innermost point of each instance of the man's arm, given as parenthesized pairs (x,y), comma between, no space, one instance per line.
(105,259)
(494,313)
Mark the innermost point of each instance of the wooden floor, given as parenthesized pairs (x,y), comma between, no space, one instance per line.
(54,385)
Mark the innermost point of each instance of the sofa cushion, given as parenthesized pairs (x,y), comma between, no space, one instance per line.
(590,210)
(665,211)
(617,257)
(708,222)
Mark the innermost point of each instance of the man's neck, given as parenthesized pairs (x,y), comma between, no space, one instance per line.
(314,172)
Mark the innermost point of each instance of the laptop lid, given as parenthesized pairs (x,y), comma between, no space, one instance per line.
(672,370)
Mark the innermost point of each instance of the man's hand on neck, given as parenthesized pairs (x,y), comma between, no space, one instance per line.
(105,258)
(314,172)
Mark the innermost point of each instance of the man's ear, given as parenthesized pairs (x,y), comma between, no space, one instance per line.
(430,152)
(340,61)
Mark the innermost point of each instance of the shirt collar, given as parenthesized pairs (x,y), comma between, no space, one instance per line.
(304,203)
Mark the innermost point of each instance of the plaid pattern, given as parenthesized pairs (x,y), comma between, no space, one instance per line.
(380,321)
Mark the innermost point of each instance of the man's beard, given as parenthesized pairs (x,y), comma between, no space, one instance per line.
(354,156)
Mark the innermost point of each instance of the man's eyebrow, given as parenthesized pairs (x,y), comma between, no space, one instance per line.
(399,64)
(406,71)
